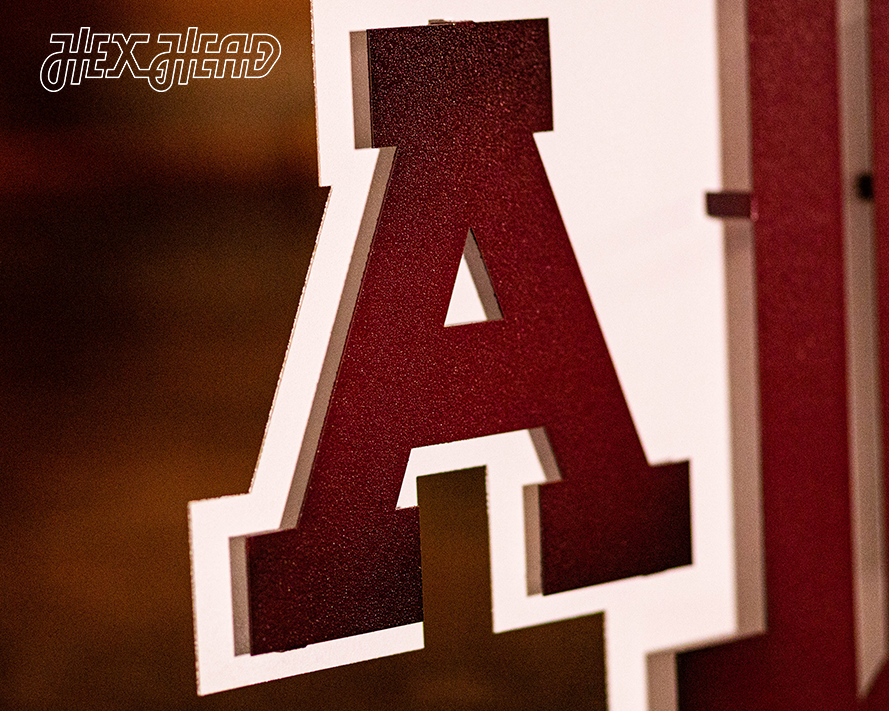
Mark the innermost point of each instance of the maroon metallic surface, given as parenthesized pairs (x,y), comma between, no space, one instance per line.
(461,103)
(879,53)
(806,661)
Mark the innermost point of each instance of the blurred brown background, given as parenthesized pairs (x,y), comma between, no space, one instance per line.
(152,251)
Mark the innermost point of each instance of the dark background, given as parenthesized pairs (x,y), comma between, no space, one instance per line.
(152,252)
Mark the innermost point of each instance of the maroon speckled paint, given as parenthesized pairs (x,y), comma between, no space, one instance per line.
(460,103)
(806,660)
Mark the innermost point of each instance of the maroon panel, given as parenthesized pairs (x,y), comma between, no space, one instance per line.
(461,102)
(879,53)
(806,661)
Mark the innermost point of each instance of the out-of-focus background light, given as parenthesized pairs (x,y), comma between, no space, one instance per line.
(152,252)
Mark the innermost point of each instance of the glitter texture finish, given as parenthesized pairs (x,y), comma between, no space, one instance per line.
(806,660)
(461,102)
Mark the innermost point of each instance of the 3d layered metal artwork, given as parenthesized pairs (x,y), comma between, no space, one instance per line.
(586,394)
(460,103)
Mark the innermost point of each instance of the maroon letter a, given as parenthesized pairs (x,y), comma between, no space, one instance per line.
(461,103)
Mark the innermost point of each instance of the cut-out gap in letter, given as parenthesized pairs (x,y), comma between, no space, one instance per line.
(473,298)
